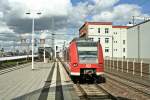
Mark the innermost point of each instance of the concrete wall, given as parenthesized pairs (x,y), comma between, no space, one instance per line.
(139,45)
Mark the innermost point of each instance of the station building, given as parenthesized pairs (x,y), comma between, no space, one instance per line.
(112,38)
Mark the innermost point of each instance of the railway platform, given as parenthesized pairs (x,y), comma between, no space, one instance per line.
(48,81)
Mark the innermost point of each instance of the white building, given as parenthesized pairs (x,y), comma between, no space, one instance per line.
(112,38)
(120,41)
(138,40)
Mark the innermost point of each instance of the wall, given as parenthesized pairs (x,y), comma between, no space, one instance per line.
(139,49)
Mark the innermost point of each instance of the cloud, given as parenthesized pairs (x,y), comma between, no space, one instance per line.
(77,14)
(1,15)
(102,5)
(121,13)
(53,7)
(105,3)
(17,20)
(59,16)
(4,28)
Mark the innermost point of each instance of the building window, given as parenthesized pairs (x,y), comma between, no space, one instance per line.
(124,57)
(99,30)
(115,41)
(123,49)
(99,39)
(124,41)
(92,39)
(115,49)
(106,40)
(115,33)
(106,49)
(106,30)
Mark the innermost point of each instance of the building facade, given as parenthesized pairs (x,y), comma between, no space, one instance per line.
(112,38)
(138,37)
(120,41)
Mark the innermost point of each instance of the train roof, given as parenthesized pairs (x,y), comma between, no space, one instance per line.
(82,40)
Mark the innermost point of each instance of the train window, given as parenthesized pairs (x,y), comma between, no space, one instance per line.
(85,44)
(87,52)
(88,56)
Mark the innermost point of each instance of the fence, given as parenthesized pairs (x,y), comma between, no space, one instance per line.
(135,67)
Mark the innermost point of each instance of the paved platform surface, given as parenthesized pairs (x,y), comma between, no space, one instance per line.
(48,81)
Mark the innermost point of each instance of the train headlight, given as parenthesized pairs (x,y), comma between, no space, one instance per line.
(75,65)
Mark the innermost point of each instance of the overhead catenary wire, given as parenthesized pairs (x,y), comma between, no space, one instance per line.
(90,12)
(140,17)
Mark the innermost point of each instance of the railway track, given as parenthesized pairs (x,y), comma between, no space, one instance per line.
(132,86)
(127,78)
(92,92)
(122,89)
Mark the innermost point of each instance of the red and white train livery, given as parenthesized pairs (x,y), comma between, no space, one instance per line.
(85,59)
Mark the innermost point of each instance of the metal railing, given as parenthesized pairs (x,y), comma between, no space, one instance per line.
(137,67)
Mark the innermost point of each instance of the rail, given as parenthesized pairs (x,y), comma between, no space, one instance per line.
(92,92)
(140,88)
(16,57)
(64,65)
(103,94)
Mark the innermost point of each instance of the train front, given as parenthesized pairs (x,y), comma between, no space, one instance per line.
(89,62)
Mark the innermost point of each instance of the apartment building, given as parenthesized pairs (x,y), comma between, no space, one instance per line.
(120,41)
(112,38)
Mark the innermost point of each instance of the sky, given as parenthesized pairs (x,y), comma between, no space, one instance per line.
(62,17)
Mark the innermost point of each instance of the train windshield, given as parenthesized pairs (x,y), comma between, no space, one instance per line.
(87,52)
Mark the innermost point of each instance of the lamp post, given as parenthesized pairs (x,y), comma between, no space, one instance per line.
(44,54)
(53,40)
(139,43)
(33,39)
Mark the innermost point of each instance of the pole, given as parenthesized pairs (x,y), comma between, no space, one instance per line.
(32,43)
(112,47)
(53,41)
(133,18)
(138,43)
(33,39)
(44,54)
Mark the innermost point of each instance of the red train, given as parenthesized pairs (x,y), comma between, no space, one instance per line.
(85,60)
